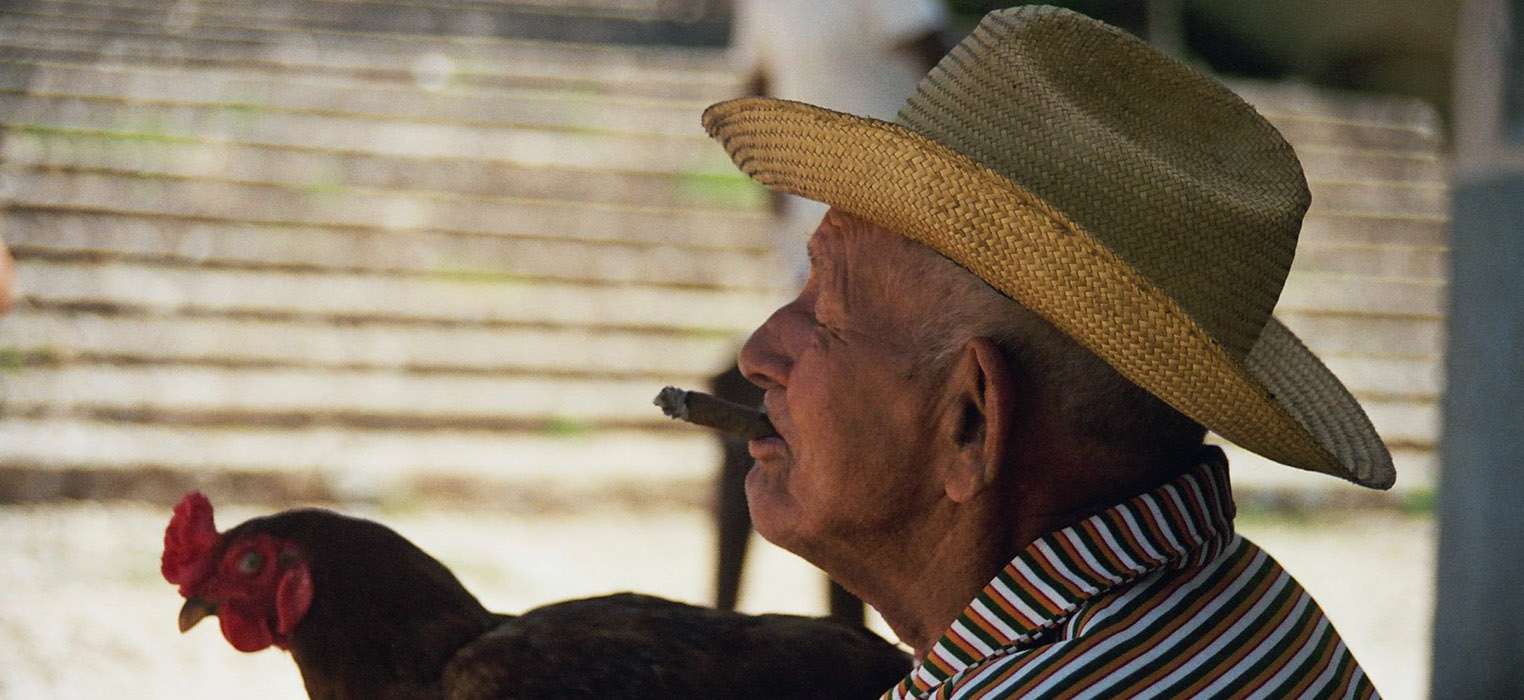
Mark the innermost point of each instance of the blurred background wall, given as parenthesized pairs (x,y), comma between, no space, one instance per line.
(427,257)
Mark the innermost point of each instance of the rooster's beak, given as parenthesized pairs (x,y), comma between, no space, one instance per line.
(193,611)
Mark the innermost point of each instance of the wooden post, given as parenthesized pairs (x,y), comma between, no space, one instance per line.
(1479,611)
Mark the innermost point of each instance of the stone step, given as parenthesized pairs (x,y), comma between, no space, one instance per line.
(1283,101)
(1337,228)
(1390,378)
(1334,164)
(1286,97)
(140,146)
(534,21)
(254,395)
(1417,469)
(239,88)
(1374,260)
(294,165)
(1404,423)
(523,146)
(318,168)
(135,86)
(1392,119)
(276,11)
(321,97)
(1381,198)
(1310,131)
(685,74)
(62,234)
(166,289)
(1361,295)
(685,60)
(646,9)
(1377,336)
(194,344)
(1304,129)
(60,337)
(366,460)
(1307,131)
(1408,427)
(390,210)
(430,71)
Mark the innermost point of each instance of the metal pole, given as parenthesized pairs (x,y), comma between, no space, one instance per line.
(1479,611)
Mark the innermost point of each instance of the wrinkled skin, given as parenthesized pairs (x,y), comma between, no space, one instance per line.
(856,421)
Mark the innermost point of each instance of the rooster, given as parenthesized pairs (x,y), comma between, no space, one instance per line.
(367,614)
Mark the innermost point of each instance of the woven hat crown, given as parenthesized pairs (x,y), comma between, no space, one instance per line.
(1147,146)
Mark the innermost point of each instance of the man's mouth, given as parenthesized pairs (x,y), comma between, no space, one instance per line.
(772,447)
(766,448)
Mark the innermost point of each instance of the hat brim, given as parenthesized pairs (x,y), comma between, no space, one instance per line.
(1279,401)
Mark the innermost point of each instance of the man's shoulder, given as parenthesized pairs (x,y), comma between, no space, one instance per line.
(1235,625)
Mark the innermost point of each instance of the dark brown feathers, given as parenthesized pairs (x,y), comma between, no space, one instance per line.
(389,622)
(637,646)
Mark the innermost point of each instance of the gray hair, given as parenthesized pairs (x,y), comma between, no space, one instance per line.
(1085,391)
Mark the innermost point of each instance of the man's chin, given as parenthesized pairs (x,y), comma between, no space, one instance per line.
(767,473)
(772,510)
(775,530)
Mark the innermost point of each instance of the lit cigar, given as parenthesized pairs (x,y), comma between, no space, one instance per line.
(699,408)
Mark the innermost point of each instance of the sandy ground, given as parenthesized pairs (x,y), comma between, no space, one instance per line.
(84,614)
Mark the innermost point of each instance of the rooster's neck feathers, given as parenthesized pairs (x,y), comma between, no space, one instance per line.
(379,602)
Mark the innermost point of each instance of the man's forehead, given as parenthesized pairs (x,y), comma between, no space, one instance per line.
(824,240)
(814,246)
(863,263)
(839,231)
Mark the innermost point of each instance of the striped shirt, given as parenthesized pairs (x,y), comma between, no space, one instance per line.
(1156,597)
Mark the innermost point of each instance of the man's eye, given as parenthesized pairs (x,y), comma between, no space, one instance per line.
(251,563)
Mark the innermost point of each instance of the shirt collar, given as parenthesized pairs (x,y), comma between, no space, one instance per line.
(1183,523)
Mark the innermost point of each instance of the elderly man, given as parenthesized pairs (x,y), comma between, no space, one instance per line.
(1034,294)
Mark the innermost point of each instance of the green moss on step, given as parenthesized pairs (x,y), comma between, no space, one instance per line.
(561,426)
(710,189)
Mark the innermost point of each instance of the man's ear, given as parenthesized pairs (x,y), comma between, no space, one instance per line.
(979,417)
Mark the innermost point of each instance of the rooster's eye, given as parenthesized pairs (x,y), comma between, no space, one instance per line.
(251,562)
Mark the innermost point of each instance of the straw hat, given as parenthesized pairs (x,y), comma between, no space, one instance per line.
(1141,207)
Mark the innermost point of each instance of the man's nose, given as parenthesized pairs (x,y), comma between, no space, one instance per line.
(768,355)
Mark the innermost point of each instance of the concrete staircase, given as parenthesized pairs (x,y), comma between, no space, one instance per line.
(359,248)
(667,22)
(261,242)
(1367,292)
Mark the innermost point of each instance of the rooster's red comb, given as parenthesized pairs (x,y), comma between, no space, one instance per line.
(188,542)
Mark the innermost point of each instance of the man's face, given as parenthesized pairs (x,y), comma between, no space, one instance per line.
(854,416)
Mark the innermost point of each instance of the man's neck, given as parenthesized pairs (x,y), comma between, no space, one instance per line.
(925,577)
(925,580)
